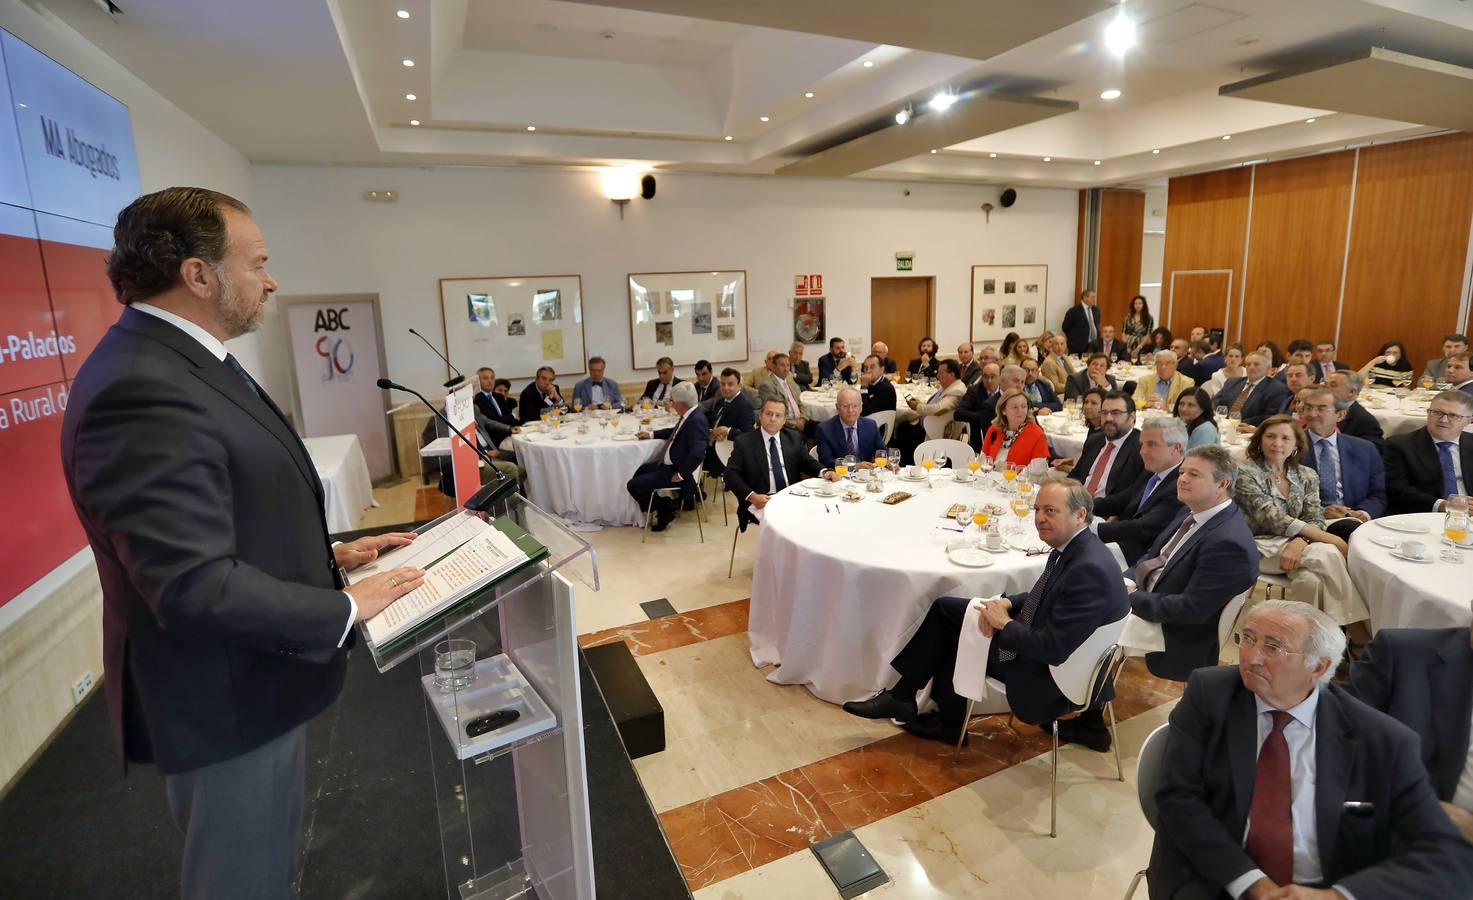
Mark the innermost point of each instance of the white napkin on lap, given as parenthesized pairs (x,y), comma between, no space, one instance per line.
(1141,635)
(969,678)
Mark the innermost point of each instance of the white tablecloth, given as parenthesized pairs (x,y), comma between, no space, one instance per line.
(1066,439)
(1407,594)
(835,595)
(347,489)
(1397,412)
(584,478)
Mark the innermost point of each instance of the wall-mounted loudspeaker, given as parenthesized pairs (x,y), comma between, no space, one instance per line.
(647,187)
(1008,198)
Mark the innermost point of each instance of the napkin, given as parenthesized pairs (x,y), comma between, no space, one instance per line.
(969,678)
(1139,634)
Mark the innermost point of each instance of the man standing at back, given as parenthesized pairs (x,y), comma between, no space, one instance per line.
(1082,322)
(225,607)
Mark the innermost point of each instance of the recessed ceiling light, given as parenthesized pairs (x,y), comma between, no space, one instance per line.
(1111,94)
(409,63)
(413,121)
(808,94)
(1227,137)
(1154,152)
(1048,159)
(531,127)
(764,118)
(1309,121)
(869,64)
(1097,162)
(403,14)
(410,97)
(903,116)
(992,156)
(942,102)
(1120,34)
(933,151)
(728,137)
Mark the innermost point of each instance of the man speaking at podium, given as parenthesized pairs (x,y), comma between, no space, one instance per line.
(226,615)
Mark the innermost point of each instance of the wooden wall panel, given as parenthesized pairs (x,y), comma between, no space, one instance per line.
(1296,248)
(1199,298)
(1122,228)
(1408,246)
(1206,219)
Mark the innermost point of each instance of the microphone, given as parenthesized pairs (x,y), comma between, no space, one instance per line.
(454,382)
(489,494)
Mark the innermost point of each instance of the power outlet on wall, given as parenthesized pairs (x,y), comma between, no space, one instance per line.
(81,687)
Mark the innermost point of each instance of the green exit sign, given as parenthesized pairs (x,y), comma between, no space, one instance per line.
(904,264)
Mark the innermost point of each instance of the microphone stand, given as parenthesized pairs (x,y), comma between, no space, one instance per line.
(454,382)
(498,489)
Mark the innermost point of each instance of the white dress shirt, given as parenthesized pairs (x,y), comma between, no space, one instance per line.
(596,393)
(217,349)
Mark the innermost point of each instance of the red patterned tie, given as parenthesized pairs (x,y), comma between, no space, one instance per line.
(1102,466)
(1271,820)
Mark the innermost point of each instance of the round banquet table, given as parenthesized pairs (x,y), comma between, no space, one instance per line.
(835,595)
(1398,411)
(819,405)
(1404,594)
(583,477)
(1066,437)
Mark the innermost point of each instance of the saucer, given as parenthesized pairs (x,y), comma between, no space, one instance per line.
(1412,559)
(1402,524)
(626,437)
(968,555)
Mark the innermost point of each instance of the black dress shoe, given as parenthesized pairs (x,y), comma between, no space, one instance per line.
(659,524)
(933,729)
(883,705)
(1086,734)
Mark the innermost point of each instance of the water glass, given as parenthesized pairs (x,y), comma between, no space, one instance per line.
(455,665)
(894,460)
(850,463)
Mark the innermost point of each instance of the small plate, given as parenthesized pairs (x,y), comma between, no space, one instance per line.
(906,477)
(560,437)
(969,556)
(813,484)
(1412,559)
(1003,549)
(1402,524)
(1381,540)
(586,440)
(626,437)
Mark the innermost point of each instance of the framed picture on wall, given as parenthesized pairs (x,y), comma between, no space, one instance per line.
(514,323)
(808,320)
(991,322)
(688,316)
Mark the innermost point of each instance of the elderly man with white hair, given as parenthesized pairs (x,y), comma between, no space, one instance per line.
(1160,389)
(1276,783)
(676,461)
(882,350)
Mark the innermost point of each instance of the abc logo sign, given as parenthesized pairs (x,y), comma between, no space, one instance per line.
(336,352)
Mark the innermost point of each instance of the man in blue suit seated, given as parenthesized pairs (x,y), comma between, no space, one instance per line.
(730,414)
(848,434)
(1136,516)
(1200,562)
(1275,783)
(677,461)
(1040,393)
(838,363)
(596,391)
(1352,475)
(1080,590)
(1252,397)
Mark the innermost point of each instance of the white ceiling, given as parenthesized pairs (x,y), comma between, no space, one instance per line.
(611,81)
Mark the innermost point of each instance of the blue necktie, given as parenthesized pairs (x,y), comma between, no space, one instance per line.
(1030,606)
(234,365)
(1150,486)
(776,463)
(853,451)
(1449,474)
(1325,463)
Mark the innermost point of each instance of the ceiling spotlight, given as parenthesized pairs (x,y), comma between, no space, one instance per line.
(933,151)
(869,64)
(1309,121)
(992,156)
(764,118)
(1227,137)
(409,63)
(531,127)
(942,102)
(410,97)
(808,95)
(413,121)
(1097,162)
(1048,159)
(903,116)
(1111,94)
(403,14)
(1120,34)
(728,137)
(1154,152)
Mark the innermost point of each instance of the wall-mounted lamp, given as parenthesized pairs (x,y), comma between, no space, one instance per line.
(620,186)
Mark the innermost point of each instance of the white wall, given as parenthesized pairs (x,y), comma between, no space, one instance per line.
(324,238)
(54,632)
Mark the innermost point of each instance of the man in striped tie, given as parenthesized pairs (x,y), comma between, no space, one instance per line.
(1079,590)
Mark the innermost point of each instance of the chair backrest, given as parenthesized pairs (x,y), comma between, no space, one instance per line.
(886,421)
(723,450)
(1148,772)
(956,451)
(1229,618)
(1087,670)
(1119,555)
(935,426)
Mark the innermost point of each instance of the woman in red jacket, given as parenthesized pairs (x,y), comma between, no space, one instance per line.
(1014,437)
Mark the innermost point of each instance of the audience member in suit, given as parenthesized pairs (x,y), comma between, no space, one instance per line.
(977,408)
(1300,352)
(1209,361)
(676,462)
(541,394)
(1194,408)
(1096,372)
(1192,570)
(1426,466)
(766,460)
(1352,475)
(926,363)
(1159,389)
(798,366)
(849,434)
(658,388)
(1110,345)
(1253,397)
(495,415)
(780,385)
(1324,363)
(971,367)
(1014,438)
(1081,325)
(1110,459)
(1186,363)
(597,391)
(707,386)
(754,378)
(838,360)
(1296,379)
(909,429)
(1041,394)
(1423,678)
(1136,516)
(882,351)
(1437,368)
(1056,369)
(1457,374)
(1273,776)
(226,616)
(875,390)
(1079,591)
(730,414)
(1358,421)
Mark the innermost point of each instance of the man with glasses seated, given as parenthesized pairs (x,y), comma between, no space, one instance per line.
(1426,466)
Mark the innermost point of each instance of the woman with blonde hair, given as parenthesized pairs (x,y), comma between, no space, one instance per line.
(1014,437)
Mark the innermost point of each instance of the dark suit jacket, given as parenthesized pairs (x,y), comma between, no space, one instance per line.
(654,384)
(735,414)
(888,366)
(827,365)
(1406,847)
(1319,371)
(1084,592)
(1268,398)
(689,447)
(1138,525)
(971,372)
(747,470)
(531,404)
(1116,352)
(1048,397)
(1215,564)
(497,409)
(1079,382)
(977,408)
(1125,468)
(878,397)
(1076,326)
(1414,471)
(1422,678)
(802,374)
(1359,422)
(222,611)
(1362,474)
(915,368)
(1188,367)
(711,390)
(1208,366)
(831,442)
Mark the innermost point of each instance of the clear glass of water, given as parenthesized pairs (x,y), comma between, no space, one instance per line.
(455,665)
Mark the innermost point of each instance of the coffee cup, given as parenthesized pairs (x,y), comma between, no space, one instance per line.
(1413,549)
(917,472)
(992,540)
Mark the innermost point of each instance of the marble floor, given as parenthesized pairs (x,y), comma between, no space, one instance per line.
(753,772)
